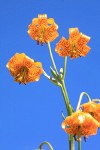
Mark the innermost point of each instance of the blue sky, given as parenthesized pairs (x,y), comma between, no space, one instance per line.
(30,114)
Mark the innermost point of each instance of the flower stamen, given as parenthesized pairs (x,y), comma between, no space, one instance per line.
(21,77)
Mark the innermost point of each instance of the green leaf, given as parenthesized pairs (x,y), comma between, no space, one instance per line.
(53,72)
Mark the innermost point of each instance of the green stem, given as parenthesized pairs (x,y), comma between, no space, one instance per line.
(71,142)
(65,95)
(51,79)
(64,73)
(45,143)
(64,92)
(66,99)
(79,145)
(80,99)
(51,56)
(69,111)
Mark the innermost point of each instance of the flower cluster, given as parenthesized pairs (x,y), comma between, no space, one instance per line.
(43,30)
(75,46)
(93,109)
(83,122)
(24,69)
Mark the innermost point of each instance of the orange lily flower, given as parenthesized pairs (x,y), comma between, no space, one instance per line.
(43,30)
(80,124)
(93,109)
(24,69)
(75,46)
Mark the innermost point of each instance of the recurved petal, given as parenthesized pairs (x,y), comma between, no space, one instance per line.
(50,34)
(15,60)
(50,21)
(83,49)
(34,32)
(42,19)
(89,107)
(74,34)
(39,67)
(35,21)
(28,62)
(92,108)
(63,47)
(83,39)
(34,74)
(41,16)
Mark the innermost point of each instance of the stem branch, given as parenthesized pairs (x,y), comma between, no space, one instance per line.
(43,143)
(51,56)
(79,145)
(64,73)
(80,99)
